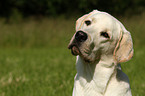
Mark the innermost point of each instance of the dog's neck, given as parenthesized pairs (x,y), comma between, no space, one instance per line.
(93,78)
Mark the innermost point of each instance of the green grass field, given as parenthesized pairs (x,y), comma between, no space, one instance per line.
(35,61)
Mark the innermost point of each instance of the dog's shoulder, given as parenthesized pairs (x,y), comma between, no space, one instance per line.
(121,76)
(119,84)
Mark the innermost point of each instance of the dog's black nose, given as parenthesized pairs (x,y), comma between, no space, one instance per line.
(81,36)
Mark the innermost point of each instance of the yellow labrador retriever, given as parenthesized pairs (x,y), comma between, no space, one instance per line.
(101,43)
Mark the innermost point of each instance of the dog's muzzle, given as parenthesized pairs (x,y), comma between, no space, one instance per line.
(79,38)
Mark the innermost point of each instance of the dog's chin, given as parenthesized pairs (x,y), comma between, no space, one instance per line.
(86,59)
(75,50)
(89,58)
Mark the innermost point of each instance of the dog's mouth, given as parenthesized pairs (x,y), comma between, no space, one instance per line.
(74,49)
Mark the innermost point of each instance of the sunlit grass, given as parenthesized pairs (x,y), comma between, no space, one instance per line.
(36,72)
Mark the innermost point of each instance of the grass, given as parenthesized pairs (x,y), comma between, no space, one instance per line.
(35,61)
(35,72)
(36,33)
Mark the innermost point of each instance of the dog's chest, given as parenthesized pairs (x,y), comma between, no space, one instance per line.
(82,87)
(91,80)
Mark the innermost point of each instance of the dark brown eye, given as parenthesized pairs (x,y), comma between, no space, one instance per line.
(105,34)
(87,22)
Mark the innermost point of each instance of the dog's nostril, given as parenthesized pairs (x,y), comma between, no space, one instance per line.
(81,36)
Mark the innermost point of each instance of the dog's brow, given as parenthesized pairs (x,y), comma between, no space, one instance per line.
(84,21)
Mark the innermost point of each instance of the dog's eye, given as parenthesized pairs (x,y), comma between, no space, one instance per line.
(87,22)
(105,34)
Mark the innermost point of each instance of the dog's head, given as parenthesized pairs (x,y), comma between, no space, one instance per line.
(98,34)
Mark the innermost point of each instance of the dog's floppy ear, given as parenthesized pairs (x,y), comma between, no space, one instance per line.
(124,48)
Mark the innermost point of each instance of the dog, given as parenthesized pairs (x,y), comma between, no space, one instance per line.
(101,43)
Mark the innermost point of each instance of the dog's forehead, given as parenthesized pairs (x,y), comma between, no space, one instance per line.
(94,15)
(103,21)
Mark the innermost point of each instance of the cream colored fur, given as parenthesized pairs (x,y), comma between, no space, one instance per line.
(103,75)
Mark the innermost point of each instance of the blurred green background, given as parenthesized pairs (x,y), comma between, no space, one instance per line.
(34,34)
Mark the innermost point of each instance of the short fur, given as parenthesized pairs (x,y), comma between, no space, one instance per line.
(98,59)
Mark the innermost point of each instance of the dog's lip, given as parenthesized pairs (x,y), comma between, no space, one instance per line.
(70,46)
(74,49)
